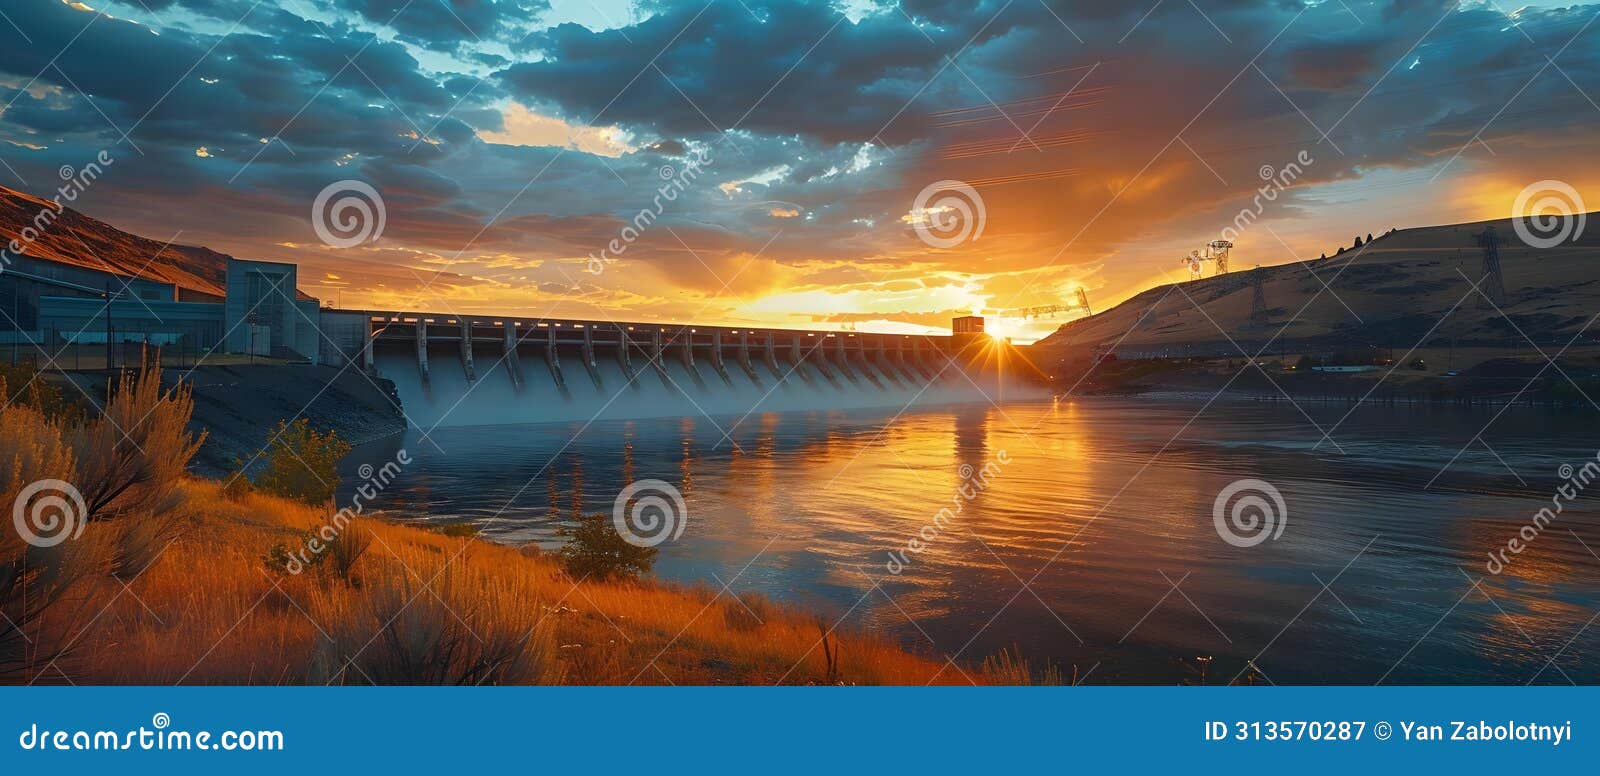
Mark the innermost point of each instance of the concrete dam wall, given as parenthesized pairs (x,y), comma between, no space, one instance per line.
(464,371)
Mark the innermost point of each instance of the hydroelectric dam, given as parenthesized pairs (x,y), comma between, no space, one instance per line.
(466,370)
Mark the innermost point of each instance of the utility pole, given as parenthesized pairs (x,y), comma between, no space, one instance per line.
(110,359)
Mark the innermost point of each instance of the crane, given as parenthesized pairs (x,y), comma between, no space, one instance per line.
(1051,310)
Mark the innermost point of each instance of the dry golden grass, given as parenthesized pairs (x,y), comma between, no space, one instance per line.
(174,580)
(208,611)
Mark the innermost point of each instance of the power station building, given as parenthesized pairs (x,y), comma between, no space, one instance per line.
(262,315)
(53,305)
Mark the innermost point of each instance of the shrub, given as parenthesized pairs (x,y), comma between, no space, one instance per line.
(237,486)
(407,635)
(131,458)
(138,543)
(1008,668)
(314,552)
(595,550)
(454,530)
(345,549)
(748,612)
(35,392)
(35,580)
(302,464)
(125,464)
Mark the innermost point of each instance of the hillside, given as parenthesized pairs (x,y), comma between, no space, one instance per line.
(1391,293)
(77,239)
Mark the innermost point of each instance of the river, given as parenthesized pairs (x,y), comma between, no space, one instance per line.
(1083,533)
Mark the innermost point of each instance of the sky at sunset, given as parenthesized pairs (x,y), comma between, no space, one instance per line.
(512,141)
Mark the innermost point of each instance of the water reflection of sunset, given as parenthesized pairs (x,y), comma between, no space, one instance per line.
(1102,507)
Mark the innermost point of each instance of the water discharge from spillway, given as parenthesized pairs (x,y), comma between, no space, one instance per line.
(447,398)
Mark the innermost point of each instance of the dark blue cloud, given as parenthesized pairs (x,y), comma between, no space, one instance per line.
(399,101)
(449,24)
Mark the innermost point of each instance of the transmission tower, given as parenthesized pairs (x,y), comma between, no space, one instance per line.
(1492,283)
(1258,302)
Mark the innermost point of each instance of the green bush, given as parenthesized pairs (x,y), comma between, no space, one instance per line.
(27,388)
(595,550)
(313,551)
(302,464)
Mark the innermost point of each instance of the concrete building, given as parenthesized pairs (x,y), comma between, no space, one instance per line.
(966,331)
(25,281)
(52,305)
(261,314)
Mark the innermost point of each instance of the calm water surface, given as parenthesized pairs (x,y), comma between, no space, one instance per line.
(1104,507)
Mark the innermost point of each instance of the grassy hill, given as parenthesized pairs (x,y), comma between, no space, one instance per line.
(70,237)
(1400,289)
(74,238)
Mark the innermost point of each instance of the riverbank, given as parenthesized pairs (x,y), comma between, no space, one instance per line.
(421,607)
(123,569)
(239,406)
(1572,380)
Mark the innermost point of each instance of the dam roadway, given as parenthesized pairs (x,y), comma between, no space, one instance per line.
(562,351)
